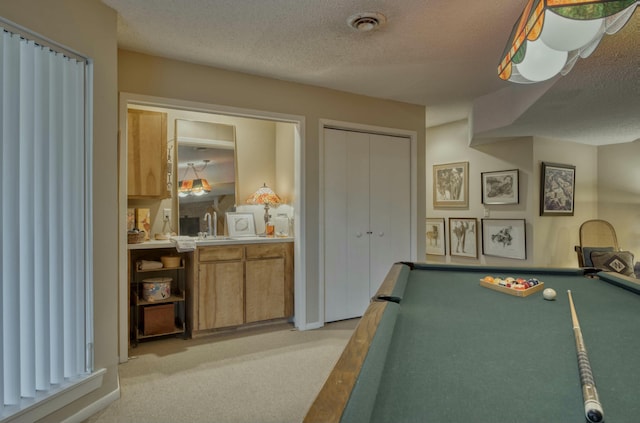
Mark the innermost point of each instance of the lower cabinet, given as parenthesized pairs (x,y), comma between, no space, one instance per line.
(242,284)
(221,296)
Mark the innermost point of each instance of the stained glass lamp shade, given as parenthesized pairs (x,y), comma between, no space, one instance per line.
(264,195)
(196,186)
(551,35)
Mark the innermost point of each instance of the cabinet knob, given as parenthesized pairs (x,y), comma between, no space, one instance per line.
(380,233)
(358,234)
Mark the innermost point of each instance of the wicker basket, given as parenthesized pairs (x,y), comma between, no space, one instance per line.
(170,261)
(135,237)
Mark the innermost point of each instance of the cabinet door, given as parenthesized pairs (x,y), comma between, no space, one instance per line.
(265,289)
(147,154)
(220,296)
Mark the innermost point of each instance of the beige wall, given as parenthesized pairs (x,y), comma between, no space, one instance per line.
(606,188)
(285,161)
(556,237)
(619,192)
(89,27)
(155,76)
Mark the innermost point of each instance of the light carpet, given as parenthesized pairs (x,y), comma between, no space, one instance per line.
(269,374)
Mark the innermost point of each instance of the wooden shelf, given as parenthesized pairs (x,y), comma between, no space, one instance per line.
(161,269)
(172,299)
(143,313)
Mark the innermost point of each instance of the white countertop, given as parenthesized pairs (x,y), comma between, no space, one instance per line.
(209,241)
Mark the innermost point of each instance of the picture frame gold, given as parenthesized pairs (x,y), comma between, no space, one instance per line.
(435,236)
(451,186)
(463,237)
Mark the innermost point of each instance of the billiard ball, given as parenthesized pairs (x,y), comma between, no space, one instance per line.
(549,294)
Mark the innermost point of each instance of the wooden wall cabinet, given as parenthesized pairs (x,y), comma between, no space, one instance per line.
(147,154)
(243,284)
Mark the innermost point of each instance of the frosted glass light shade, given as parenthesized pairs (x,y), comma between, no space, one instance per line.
(541,62)
(567,34)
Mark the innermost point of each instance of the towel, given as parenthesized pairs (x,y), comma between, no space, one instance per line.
(184,243)
(149,265)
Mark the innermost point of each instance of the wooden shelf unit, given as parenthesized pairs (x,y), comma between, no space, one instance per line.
(151,319)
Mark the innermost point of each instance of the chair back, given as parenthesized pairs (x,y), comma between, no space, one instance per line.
(596,233)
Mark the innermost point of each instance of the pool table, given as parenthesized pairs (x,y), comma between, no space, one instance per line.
(436,346)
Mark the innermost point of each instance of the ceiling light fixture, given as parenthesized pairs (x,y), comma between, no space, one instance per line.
(196,186)
(366,21)
(551,35)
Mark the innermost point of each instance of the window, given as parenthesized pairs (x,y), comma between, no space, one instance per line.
(46,226)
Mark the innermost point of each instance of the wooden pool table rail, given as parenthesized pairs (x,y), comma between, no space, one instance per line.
(332,399)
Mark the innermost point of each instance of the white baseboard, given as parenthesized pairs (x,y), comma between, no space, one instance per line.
(95,407)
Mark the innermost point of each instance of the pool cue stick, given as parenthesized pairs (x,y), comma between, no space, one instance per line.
(592,407)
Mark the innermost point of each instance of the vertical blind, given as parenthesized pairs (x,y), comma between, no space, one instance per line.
(45,250)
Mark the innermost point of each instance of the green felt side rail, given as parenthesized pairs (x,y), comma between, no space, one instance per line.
(361,401)
(488,269)
(622,281)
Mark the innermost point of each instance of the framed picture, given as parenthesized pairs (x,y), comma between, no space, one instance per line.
(557,187)
(500,187)
(435,236)
(463,237)
(451,185)
(504,238)
(241,224)
(143,222)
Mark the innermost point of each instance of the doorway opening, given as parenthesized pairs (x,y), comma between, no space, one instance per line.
(250,127)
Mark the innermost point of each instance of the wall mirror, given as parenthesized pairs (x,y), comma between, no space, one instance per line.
(206,175)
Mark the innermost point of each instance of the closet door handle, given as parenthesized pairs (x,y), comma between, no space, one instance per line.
(380,234)
(358,234)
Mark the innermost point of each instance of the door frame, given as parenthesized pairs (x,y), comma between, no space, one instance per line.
(125,99)
(370,129)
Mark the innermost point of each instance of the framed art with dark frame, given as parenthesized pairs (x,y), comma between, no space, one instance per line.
(463,237)
(435,236)
(500,187)
(557,189)
(451,185)
(504,238)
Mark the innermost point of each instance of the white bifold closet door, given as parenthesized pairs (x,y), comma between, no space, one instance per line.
(367,211)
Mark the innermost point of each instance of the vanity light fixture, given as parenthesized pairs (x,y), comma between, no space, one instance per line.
(196,186)
(551,35)
(265,195)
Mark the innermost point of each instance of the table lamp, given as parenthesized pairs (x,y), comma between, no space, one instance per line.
(264,195)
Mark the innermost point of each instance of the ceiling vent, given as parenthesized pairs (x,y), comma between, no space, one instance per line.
(367,21)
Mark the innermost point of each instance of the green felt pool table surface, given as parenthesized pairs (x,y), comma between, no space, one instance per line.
(454,351)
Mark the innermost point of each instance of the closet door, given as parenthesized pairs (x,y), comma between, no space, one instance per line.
(346,216)
(366,216)
(389,205)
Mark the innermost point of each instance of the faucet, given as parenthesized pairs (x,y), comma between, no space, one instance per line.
(207,219)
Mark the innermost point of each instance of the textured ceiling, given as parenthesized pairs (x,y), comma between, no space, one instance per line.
(430,52)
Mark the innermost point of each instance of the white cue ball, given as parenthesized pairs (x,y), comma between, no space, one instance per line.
(549,294)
